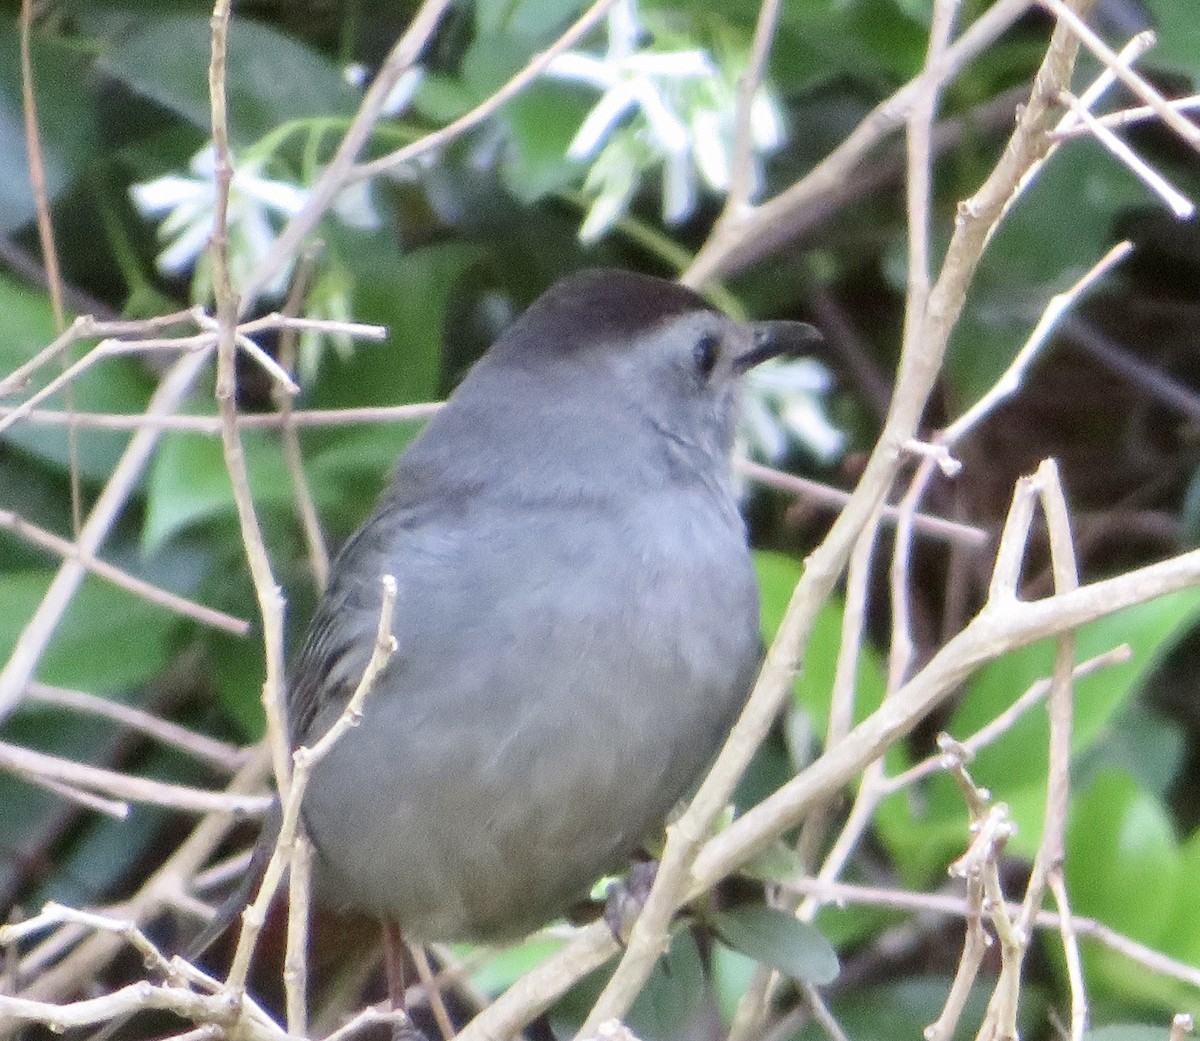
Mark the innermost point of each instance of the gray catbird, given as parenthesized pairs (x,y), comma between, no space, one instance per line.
(577,618)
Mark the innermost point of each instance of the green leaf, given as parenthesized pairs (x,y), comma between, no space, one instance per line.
(189,482)
(776,938)
(118,385)
(109,639)
(65,114)
(731,973)
(1123,862)
(1127,1032)
(271,78)
(1121,838)
(1178,29)
(541,124)
(673,994)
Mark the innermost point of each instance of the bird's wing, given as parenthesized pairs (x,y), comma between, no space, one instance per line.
(341,636)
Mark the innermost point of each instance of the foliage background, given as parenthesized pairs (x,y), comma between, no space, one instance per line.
(469,240)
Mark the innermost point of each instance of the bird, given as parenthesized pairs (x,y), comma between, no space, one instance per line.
(576,621)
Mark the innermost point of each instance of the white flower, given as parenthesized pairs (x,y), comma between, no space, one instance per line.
(782,405)
(662,107)
(187,206)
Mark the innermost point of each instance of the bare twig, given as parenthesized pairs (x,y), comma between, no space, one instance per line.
(304,760)
(1187,131)
(270,599)
(336,175)
(1010,381)
(1129,116)
(1002,723)
(139,587)
(45,226)
(834,498)
(37,633)
(1079,1005)
(941,903)
(211,425)
(318,554)
(1179,204)
(535,67)
(218,753)
(741,180)
(25,762)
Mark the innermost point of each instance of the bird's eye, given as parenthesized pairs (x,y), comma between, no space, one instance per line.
(705,352)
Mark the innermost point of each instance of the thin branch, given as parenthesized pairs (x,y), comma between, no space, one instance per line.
(267,592)
(1130,116)
(1187,131)
(489,106)
(218,753)
(310,521)
(1010,382)
(40,628)
(336,175)
(741,180)
(834,498)
(305,760)
(25,762)
(88,953)
(45,226)
(139,587)
(1079,1005)
(1176,201)
(211,425)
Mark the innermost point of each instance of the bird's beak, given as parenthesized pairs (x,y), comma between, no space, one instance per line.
(772,339)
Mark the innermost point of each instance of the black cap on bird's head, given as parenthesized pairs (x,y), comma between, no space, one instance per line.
(601,306)
(610,307)
(607,366)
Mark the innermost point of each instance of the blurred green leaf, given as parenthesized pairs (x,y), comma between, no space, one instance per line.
(731,972)
(65,116)
(1123,862)
(1127,1032)
(541,124)
(189,482)
(778,939)
(504,968)
(109,640)
(1125,867)
(118,385)
(271,78)
(535,18)
(1178,30)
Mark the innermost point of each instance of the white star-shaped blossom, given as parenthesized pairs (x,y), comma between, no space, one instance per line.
(187,208)
(684,109)
(782,404)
